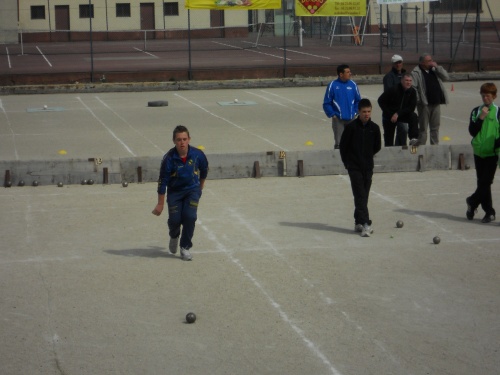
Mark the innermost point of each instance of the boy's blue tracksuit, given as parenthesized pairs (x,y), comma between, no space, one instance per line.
(181,182)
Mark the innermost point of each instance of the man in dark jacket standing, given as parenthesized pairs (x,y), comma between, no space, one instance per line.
(398,105)
(360,141)
(393,77)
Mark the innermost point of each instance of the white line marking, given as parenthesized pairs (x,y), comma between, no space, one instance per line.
(39,259)
(304,53)
(294,51)
(477,240)
(327,300)
(284,105)
(13,135)
(250,50)
(310,344)
(131,127)
(456,120)
(231,123)
(256,234)
(41,53)
(8,56)
(108,129)
(147,53)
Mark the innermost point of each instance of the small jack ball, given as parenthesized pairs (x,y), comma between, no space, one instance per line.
(21,183)
(399,223)
(59,184)
(236,100)
(90,182)
(35,183)
(436,240)
(124,183)
(190,317)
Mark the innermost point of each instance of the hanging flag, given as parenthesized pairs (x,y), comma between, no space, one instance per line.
(330,8)
(233,4)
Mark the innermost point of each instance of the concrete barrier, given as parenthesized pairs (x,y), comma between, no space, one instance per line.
(244,165)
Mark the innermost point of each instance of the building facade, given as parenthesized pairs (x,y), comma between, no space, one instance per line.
(61,20)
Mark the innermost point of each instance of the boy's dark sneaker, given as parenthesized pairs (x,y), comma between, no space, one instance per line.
(172,245)
(488,218)
(470,210)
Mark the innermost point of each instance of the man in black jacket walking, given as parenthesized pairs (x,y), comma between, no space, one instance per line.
(360,141)
(398,105)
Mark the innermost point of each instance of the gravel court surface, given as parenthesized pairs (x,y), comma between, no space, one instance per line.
(280,282)
(122,125)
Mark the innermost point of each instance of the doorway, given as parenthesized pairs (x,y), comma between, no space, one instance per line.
(148,19)
(217,20)
(62,23)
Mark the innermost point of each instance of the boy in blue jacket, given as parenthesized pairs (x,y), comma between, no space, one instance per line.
(182,176)
(341,101)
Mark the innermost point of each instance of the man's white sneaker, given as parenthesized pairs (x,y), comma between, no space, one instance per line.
(358,228)
(172,245)
(366,231)
(414,142)
(185,254)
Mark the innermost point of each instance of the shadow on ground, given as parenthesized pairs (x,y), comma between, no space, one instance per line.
(151,252)
(317,226)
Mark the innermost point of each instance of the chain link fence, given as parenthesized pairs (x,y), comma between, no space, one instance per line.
(60,28)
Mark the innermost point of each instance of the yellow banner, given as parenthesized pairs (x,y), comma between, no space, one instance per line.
(330,8)
(233,4)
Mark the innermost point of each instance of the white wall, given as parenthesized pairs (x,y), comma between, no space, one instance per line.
(8,21)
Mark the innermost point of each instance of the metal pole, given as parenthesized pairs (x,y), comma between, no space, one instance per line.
(190,73)
(284,38)
(416,23)
(381,38)
(300,33)
(433,32)
(50,21)
(389,31)
(163,12)
(478,25)
(451,31)
(91,13)
(401,25)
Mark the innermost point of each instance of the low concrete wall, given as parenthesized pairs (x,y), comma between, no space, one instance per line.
(227,166)
(37,86)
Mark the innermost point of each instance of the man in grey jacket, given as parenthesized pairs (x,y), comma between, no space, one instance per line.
(428,79)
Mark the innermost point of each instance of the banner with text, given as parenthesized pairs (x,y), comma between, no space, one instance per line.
(330,8)
(389,2)
(233,4)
